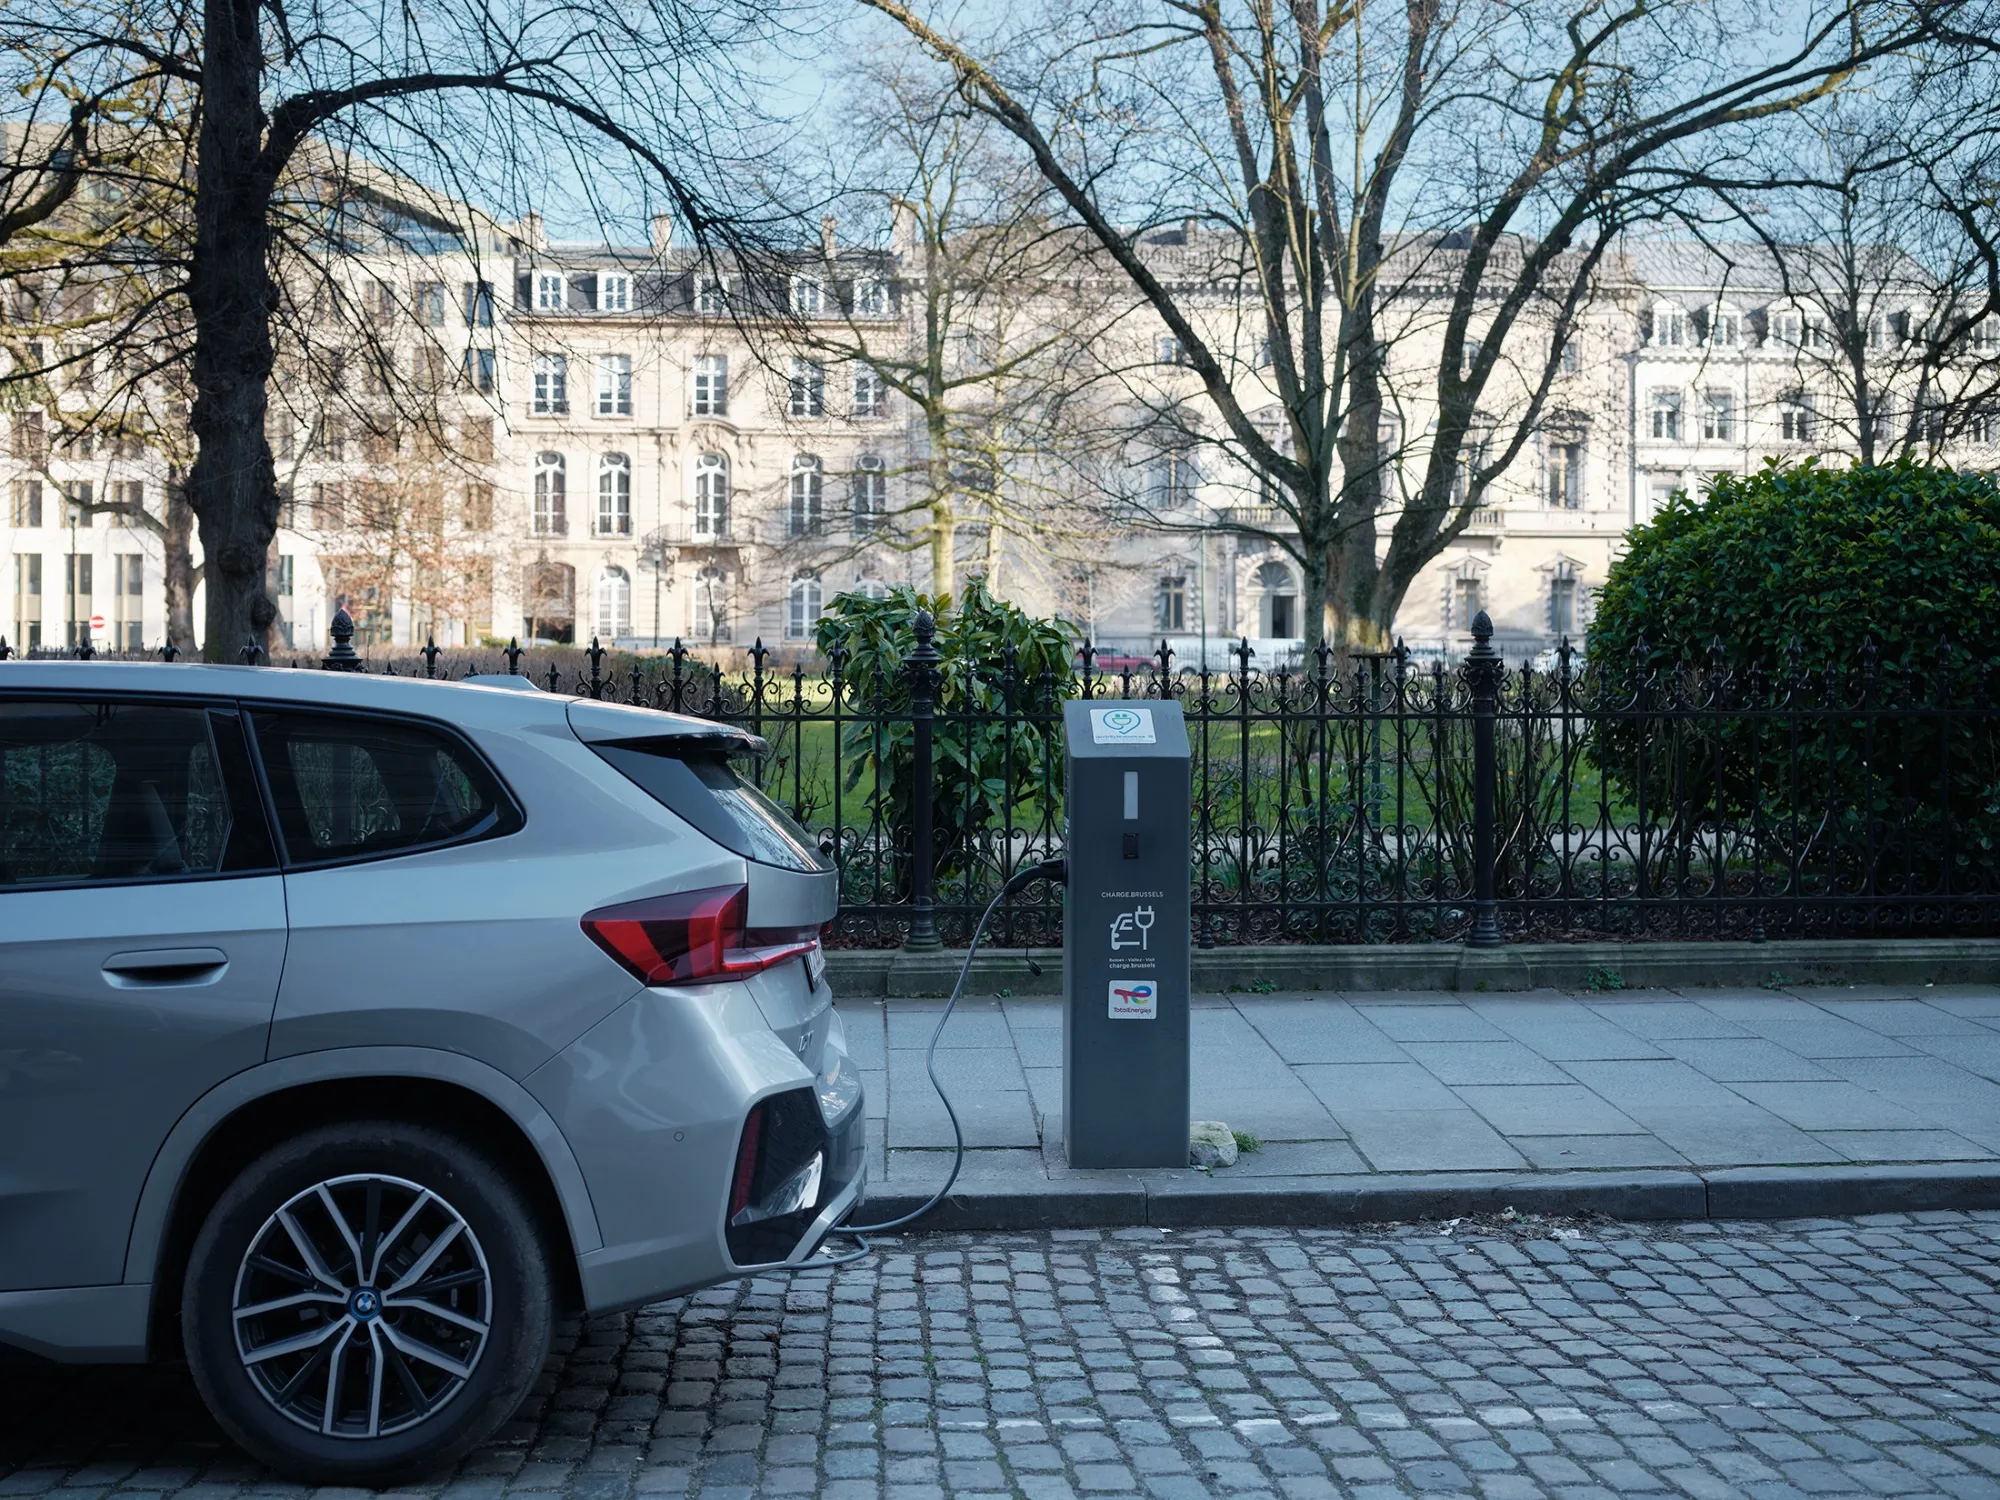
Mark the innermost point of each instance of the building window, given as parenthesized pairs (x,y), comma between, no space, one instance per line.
(807,515)
(871,495)
(1278,610)
(872,588)
(431,304)
(1718,416)
(711,385)
(614,604)
(80,599)
(478,506)
(129,498)
(1814,335)
(808,296)
(548,592)
(871,393)
(476,439)
(1170,605)
(1571,358)
(1466,599)
(1725,329)
(614,495)
(551,291)
(1562,600)
(807,397)
(711,497)
(1171,351)
(551,398)
(27,507)
(1795,417)
(614,292)
(711,606)
(30,437)
(1667,416)
(28,600)
(711,295)
(480,365)
(614,385)
(128,598)
(1785,328)
(871,299)
(1565,475)
(551,516)
(1669,325)
(478,304)
(802,613)
(1174,480)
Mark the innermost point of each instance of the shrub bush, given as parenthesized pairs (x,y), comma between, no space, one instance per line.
(1854,616)
(984,767)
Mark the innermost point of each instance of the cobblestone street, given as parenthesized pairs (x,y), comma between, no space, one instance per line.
(1811,1358)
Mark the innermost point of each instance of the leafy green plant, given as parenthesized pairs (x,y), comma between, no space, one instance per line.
(1246,1142)
(1600,980)
(987,762)
(1779,601)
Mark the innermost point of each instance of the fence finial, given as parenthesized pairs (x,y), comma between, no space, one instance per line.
(5,649)
(341,658)
(513,653)
(430,654)
(169,651)
(1482,627)
(251,651)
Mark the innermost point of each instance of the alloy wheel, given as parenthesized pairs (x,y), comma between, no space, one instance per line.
(362,1306)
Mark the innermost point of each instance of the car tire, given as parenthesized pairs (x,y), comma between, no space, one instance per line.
(387,1348)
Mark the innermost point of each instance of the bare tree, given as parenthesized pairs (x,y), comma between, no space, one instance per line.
(981,316)
(1887,248)
(465,88)
(1436,177)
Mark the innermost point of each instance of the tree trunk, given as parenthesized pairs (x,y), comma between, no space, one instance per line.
(233,487)
(944,517)
(177,539)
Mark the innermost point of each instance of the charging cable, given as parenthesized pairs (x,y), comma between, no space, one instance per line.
(1049,869)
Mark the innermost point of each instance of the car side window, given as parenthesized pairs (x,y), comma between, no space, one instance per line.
(353,786)
(97,792)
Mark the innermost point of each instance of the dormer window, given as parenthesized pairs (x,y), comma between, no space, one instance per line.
(871,299)
(1785,326)
(614,292)
(1670,328)
(1725,328)
(711,294)
(808,296)
(551,291)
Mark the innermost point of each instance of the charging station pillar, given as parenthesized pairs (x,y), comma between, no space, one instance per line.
(1125,935)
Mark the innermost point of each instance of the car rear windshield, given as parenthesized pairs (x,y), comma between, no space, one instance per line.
(705,790)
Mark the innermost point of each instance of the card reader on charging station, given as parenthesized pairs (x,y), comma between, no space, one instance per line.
(1125,935)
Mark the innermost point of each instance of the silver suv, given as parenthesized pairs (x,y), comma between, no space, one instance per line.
(353,1027)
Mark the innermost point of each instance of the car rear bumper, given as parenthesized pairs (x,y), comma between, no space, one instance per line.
(653,1102)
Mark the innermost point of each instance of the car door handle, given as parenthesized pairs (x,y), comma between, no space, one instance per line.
(155,967)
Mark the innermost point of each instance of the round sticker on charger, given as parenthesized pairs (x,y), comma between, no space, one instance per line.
(1121,726)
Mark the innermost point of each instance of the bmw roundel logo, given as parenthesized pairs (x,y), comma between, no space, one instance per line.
(365,1303)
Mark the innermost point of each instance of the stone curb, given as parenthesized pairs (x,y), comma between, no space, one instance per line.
(875,973)
(1305,1202)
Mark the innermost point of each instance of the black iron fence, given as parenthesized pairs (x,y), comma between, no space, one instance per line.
(1390,801)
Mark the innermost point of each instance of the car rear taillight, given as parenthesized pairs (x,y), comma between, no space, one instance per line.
(693,937)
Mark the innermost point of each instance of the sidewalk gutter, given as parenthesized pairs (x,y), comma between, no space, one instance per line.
(1374,968)
(1106,1200)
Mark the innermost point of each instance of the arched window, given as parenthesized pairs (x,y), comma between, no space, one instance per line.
(711,606)
(614,604)
(711,496)
(551,495)
(803,611)
(1278,611)
(871,494)
(614,495)
(808,512)
(548,591)
(872,588)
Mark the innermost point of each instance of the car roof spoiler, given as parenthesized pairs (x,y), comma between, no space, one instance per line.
(650,729)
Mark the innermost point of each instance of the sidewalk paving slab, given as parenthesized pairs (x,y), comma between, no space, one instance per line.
(1660,1103)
